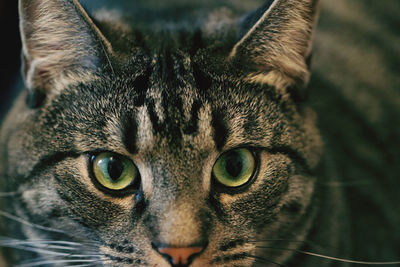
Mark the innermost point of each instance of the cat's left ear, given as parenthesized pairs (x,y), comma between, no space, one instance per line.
(277,45)
(61,44)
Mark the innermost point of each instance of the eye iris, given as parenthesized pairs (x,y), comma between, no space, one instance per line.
(234,168)
(114,172)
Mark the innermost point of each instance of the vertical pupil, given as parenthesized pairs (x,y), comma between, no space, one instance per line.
(115,168)
(234,164)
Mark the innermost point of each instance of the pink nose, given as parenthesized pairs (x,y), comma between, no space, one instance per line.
(180,256)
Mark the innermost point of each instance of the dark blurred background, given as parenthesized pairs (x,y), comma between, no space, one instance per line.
(10,52)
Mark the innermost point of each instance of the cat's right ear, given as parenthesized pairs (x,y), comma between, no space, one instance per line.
(61,45)
(276,44)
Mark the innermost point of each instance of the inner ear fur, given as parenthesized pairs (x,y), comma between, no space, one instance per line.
(61,45)
(276,49)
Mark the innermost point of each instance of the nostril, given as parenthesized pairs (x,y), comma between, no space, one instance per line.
(179,256)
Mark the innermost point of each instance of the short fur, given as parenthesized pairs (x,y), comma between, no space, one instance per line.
(172,95)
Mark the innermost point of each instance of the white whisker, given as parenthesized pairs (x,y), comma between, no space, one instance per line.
(38,250)
(53,242)
(8,194)
(264,260)
(336,258)
(17,219)
(37,245)
(308,242)
(45,251)
(64,249)
(83,265)
(349,261)
(49,262)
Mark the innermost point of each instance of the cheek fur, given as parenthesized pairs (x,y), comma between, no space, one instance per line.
(40,196)
(84,201)
(259,204)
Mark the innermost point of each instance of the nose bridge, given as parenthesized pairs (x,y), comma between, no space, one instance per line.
(181,224)
(177,203)
(176,174)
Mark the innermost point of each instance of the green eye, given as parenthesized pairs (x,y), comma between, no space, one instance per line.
(235,168)
(113,171)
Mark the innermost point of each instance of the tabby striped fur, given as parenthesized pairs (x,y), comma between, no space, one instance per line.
(173,97)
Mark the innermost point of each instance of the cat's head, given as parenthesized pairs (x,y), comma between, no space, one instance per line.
(194,149)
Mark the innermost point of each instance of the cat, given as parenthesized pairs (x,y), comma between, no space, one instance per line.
(178,135)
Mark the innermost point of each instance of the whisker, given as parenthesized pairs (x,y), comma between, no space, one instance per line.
(336,258)
(90,264)
(43,241)
(39,250)
(8,194)
(47,248)
(65,243)
(83,265)
(308,242)
(47,258)
(264,260)
(61,248)
(37,244)
(22,221)
(49,262)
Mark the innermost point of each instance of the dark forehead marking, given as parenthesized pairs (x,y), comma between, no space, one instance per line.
(220,129)
(192,125)
(174,123)
(129,133)
(151,109)
(165,66)
(173,79)
(203,81)
(129,126)
(141,85)
(174,116)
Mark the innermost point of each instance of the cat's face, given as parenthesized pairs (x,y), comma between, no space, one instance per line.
(165,157)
